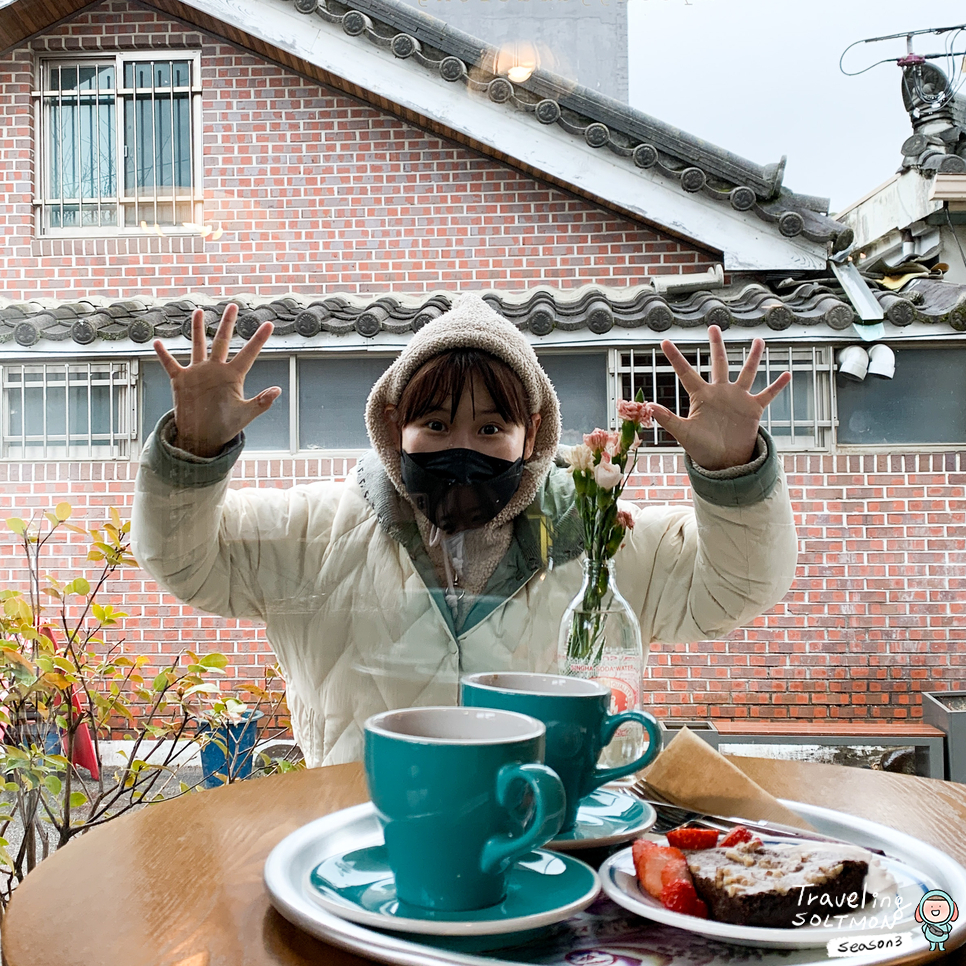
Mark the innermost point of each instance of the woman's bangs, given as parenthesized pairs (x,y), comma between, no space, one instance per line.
(446,377)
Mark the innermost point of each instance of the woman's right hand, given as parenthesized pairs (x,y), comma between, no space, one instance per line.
(210,408)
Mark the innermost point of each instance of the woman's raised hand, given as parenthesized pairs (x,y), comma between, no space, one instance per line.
(723,417)
(210,407)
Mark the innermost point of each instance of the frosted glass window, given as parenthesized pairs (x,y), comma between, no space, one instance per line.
(332,401)
(924,403)
(270,431)
(580,379)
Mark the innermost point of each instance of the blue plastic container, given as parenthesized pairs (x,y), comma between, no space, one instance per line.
(229,753)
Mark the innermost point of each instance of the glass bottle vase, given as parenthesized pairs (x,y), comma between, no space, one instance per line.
(600,640)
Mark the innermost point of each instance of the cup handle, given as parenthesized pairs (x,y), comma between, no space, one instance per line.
(610,725)
(549,808)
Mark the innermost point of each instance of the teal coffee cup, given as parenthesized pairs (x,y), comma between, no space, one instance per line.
(461,793)
(579,727)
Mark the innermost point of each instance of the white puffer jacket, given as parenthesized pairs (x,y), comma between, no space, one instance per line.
(339,576)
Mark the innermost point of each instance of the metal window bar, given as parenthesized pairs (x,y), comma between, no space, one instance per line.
(800,418)
(44,411)
(58,389)
(174,211)
(76,121)
(74,190)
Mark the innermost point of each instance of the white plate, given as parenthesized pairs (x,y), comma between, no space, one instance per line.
(348,875)
(605,933)
(893,911)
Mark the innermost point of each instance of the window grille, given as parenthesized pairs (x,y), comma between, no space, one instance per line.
(799,418)
(69,410)
(120,143)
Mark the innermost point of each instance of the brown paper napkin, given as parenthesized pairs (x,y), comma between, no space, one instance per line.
(690,772)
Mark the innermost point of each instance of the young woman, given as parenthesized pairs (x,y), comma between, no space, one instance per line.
(454,545)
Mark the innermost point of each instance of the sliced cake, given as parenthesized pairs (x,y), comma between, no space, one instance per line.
(752,884)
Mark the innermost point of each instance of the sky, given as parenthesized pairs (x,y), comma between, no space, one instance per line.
(762,79)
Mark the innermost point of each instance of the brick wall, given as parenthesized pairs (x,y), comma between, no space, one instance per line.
(875,613)
(874,616)
(315,193)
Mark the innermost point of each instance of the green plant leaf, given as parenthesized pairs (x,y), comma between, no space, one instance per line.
(17,525)
(218,661)
(206,688)
(77,799)
(54,784)
(63,511)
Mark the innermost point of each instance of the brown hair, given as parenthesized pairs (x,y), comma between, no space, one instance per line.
(445,377)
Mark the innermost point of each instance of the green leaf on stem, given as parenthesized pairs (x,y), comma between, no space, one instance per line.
(205,688)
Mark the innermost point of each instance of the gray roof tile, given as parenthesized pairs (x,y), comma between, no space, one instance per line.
(603,122)
(597,309)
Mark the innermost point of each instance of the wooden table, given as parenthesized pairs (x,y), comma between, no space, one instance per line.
(180,883)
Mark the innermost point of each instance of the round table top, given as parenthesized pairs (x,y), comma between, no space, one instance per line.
(180,883)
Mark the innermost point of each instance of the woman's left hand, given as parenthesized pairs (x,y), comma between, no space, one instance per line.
(722,422)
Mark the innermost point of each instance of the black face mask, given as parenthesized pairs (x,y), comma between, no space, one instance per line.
(459,489)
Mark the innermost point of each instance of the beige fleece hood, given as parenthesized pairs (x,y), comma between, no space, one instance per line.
(470,324)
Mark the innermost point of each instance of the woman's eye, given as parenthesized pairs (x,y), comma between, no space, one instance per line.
(490,429)
(435,425)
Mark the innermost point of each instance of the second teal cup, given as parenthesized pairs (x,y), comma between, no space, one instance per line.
(462,794)
(576,715)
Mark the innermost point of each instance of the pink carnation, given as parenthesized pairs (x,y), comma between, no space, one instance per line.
(597,440)
(634,412)
(625,520)
(613,444)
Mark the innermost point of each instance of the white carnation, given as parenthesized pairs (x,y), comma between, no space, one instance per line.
(581,457)
(607,474)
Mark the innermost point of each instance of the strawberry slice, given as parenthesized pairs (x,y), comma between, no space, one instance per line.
(680,896)
(693,838)
(735,837)
(650,860)
(675,869)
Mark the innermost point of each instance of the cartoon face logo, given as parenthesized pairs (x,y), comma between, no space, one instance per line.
(936,911)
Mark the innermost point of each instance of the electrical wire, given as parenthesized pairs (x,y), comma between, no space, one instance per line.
(952,36)
(887,60)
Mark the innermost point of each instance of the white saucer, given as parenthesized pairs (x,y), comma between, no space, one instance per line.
(339,864)
(605,817)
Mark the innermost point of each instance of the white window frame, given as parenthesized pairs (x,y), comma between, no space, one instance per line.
(42,203)
(118,439)
(809,361)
